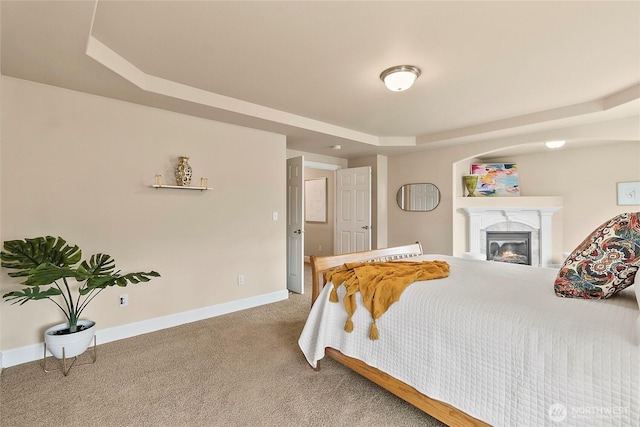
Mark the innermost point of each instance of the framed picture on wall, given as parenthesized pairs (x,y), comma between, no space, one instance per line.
(315,200)
(496,179)
(629,193)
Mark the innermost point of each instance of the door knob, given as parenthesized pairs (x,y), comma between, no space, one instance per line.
(366,227)
(298,231)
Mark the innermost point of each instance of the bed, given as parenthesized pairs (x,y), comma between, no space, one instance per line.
(491,344)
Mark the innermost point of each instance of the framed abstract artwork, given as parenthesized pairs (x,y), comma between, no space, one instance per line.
(496,179)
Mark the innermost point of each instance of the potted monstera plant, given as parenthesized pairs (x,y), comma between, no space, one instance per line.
(54,271)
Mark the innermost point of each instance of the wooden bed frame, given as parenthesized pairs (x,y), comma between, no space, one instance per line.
(437,409)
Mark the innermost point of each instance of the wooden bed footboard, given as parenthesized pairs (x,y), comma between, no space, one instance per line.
(437,409)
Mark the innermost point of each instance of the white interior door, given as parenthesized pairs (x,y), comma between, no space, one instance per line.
(295,224)
(353,210)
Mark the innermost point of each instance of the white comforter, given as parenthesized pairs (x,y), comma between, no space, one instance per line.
(494,341)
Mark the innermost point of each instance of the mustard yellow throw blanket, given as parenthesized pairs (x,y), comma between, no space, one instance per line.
(380,284)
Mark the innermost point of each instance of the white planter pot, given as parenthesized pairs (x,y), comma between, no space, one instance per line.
(73,344)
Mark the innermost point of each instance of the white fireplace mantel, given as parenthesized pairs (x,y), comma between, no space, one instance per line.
(533,212)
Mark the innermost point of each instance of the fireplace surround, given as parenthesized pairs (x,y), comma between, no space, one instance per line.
(516,214)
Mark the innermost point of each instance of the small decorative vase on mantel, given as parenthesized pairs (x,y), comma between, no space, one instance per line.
(183,172)
(470,183)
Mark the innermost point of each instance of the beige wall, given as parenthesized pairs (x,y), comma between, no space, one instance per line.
(81,166)
(585,177)
(432,229)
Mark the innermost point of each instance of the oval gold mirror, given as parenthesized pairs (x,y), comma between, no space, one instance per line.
(421,197)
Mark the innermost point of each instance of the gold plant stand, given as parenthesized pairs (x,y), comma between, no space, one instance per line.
(67,364)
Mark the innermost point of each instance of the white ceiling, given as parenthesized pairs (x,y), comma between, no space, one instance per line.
(310,70)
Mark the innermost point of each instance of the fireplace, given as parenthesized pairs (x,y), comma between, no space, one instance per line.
(509,246)
(529,215)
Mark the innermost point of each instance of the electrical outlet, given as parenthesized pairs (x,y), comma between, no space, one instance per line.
(124,300)
(240,280)
(319,248)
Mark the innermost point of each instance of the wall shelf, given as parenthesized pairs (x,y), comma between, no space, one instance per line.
(178,187)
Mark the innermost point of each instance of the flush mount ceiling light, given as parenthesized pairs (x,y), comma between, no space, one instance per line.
(554,144)
(400,77)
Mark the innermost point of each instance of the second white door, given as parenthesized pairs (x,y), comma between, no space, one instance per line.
(353,210)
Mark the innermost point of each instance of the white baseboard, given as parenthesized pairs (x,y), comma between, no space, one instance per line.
(33,352)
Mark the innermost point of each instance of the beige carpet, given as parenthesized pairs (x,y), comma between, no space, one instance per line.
(241,369)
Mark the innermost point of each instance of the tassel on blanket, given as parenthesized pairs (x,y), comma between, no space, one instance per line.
(348,326)
(333,297)
(373,333)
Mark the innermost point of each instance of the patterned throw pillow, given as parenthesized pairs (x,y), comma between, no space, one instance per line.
(605,263)
(637,286)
